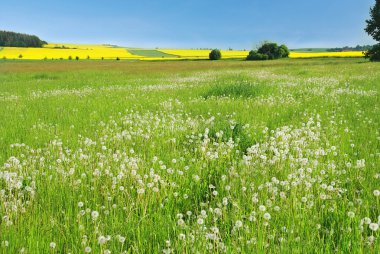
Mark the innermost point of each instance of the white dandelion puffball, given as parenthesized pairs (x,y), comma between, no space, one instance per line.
(374,226)
(94,215)
(238,224)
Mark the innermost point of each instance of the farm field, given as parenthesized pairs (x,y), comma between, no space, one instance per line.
(66,51)
(278,156)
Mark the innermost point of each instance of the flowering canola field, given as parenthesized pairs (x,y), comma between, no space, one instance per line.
(190,157)
(55,51)
(203,54)
(326,54)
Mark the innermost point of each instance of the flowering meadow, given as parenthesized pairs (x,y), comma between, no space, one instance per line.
(190,157)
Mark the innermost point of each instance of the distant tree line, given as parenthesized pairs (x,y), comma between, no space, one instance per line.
(347,48)
(12,39)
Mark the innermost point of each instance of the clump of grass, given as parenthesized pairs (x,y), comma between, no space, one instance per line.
(44,76)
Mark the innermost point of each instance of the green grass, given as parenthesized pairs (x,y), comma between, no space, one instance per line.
(184,156)
(150,53)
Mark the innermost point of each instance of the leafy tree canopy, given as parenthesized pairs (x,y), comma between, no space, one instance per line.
(373,29)
(269,51)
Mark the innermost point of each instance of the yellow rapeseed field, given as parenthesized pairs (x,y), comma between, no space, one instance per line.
(326,54)
(84,51)
(203,54)
(56,51)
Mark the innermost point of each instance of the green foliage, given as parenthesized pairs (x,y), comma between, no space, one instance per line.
(269,51)
(215,54)
(273,50)
(373,54)
(12,39)
(373,29)
(373,24)
(254,55)
(283,51)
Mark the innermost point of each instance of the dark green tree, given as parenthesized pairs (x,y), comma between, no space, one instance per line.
(254,55)
(373,29)
(269,51)
(215,54)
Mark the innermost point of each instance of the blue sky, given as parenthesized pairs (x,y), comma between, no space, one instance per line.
(192,24)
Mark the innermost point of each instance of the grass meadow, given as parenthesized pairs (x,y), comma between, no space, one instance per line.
(190,156)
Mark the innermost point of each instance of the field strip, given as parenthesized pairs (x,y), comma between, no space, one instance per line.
(151,53)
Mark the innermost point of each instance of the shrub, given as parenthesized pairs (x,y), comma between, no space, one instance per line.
(269,50)
(70,57)
(215,54)
(77,58)
(20,56)
(373,54)
(284,51)
(254,55)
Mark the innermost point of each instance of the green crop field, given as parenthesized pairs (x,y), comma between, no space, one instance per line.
(150,53)
(278,156)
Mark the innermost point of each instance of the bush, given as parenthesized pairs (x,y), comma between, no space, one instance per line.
(284,51)
(215,54)
(269,50)
(254,55)
(373,54)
